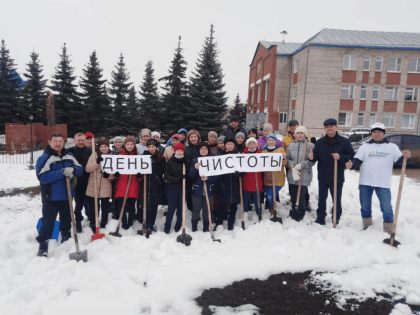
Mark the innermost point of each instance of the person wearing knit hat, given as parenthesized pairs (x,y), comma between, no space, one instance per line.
(183,134)
(212,141)
(169,150)
(240,142)
(89,137)
(156,136)
(191,152)
(262,141)
(118,146)
(301,129)
(229,139)
(251,139)
(376,160)
(144,136)
(253,132)
(174,176)
(234,128)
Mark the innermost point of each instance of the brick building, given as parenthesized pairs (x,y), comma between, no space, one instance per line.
(357,77)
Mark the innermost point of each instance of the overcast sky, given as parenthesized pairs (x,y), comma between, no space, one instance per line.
(144,30)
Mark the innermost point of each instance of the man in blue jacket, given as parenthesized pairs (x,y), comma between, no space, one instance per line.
(327,149)
(52,168)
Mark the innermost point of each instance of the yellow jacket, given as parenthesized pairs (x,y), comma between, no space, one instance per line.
(279,176)
(288,139)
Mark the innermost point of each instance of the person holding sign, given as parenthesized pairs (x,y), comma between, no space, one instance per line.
(279,177)
(300,167)
(173,179)
(133,190)
(197,193)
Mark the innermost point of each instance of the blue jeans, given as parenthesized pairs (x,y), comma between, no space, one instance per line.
(384,196)
(174,203)
(269,194)
(254,199)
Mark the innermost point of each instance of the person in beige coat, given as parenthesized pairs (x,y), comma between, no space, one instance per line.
(103,184)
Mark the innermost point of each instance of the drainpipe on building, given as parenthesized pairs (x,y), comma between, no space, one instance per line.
(306,80)
(418,124)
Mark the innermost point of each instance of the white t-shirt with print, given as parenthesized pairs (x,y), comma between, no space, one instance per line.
(378,161)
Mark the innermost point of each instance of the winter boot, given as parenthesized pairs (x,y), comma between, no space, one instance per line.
(177,227)
(337,220)
(388,227)
(103,225)
(43,250)
(194,224)
(205,226)
(320,219)
(79,227)
(230,227)
(367,222)
(167,228)
(93,228)
(308,208)
(65,236)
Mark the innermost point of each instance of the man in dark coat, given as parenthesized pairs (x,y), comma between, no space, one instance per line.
(234,128)
(327,149)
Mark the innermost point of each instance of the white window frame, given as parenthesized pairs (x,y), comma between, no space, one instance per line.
(413,93)
(414,62)
(252,97)
(348,119)
(296,66)
(377,89)
(411,121)
(267,86)
(379,60)
(349,89)
(361,115)
(282,118)
(293,115)
(350,62)
(294,93)
(363,88)
(366,67)
(372,121)
(393,91)
(398,64)
(391,120)
(259,93)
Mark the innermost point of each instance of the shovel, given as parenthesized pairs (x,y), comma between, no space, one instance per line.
(258,198)
(184,238)
(392,241)
(335,195)
(78,255)
(143,230)
(275,218)
(242,204)
(96,236)
(116,233)
(209,214)
(301,175)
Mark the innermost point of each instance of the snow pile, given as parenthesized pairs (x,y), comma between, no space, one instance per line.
(136,275)
(17,176)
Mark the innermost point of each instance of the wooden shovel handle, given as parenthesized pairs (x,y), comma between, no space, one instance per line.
(397,207)
(335,195)
(95,184)
(208,207)
(183,197)
(124,201)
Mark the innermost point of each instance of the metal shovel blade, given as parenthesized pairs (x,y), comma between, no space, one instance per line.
(277,219)
(214,239)
(184,239)
(97,236)
(116,233)
(82,256)
(388,241)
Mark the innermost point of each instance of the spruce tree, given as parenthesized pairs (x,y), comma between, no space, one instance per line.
(34,97)
(11,107)
(67,103)
(118,92)
(175,97)
(208,101)
(238,110)
(132,114)
(150,108)
(94,97)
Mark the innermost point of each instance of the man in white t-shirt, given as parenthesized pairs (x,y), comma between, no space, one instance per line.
(376,159)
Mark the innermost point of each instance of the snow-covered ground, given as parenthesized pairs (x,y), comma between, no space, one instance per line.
(16,176)
(135,275)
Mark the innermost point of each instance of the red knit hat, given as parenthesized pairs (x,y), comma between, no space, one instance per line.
(89,134)
(179,146)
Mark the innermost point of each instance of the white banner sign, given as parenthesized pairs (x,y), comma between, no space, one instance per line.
(127,164)
(230,163)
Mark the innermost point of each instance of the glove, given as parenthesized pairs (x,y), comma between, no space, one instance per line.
(298,167)
(295,174)
(99,160)
(138,175)
(105,174)
(68,172)
(117,174)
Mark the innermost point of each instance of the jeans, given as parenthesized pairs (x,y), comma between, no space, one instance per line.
(104,206)
(174,203)
(269,194)
(199,203)
(231,216)
(151,213)
(130,207)
(323,195)
(384,196)
(79,197)
(50,211)
(246,195)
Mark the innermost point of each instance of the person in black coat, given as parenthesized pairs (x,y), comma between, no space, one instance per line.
(155,194)
(327,149)
(191,152)
(234,128)
(173,177)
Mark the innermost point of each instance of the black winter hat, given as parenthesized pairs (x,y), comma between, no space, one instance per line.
(203,144)
(253,130)
(234,118)
(152,142)
(230,139)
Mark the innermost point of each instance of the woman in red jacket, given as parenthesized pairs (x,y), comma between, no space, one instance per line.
(122,182)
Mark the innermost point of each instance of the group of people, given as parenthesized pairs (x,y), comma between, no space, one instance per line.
(178,162)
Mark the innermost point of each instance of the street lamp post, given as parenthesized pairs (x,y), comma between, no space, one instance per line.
(31,166)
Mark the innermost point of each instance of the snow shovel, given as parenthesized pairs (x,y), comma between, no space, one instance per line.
(275,218)
(242,203)
(143,230)
(392,241)
(335,195)
(184,238)
(116,233)
(301,175)
(78,255)
(258,198)
(96,236)
(209,214)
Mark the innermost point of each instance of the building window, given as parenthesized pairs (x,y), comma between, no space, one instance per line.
(361,119)
(283,118)
(294,92)
(363,92)
(347,91)
(293,115)
(296,66)
(267,84)
(414,65)
(394,64)
(391,93)
(350,62)
(388,120)
(411,94)
(407,121)
(378,65)
(366,63)
(375,92)
(372,119)
(344,119)
(259,93)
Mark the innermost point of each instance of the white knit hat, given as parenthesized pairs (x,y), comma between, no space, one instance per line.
(301,129)
(155,133)
(251,140)
(268,126)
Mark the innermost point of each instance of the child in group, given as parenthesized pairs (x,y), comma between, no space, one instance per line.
(220,146)
(252,133)
(297,162)
(198,194)
(249,185)
(169,150)
(262,141)
(228,188)
(279,177)
(173,178)
(156,136)
(240,142)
